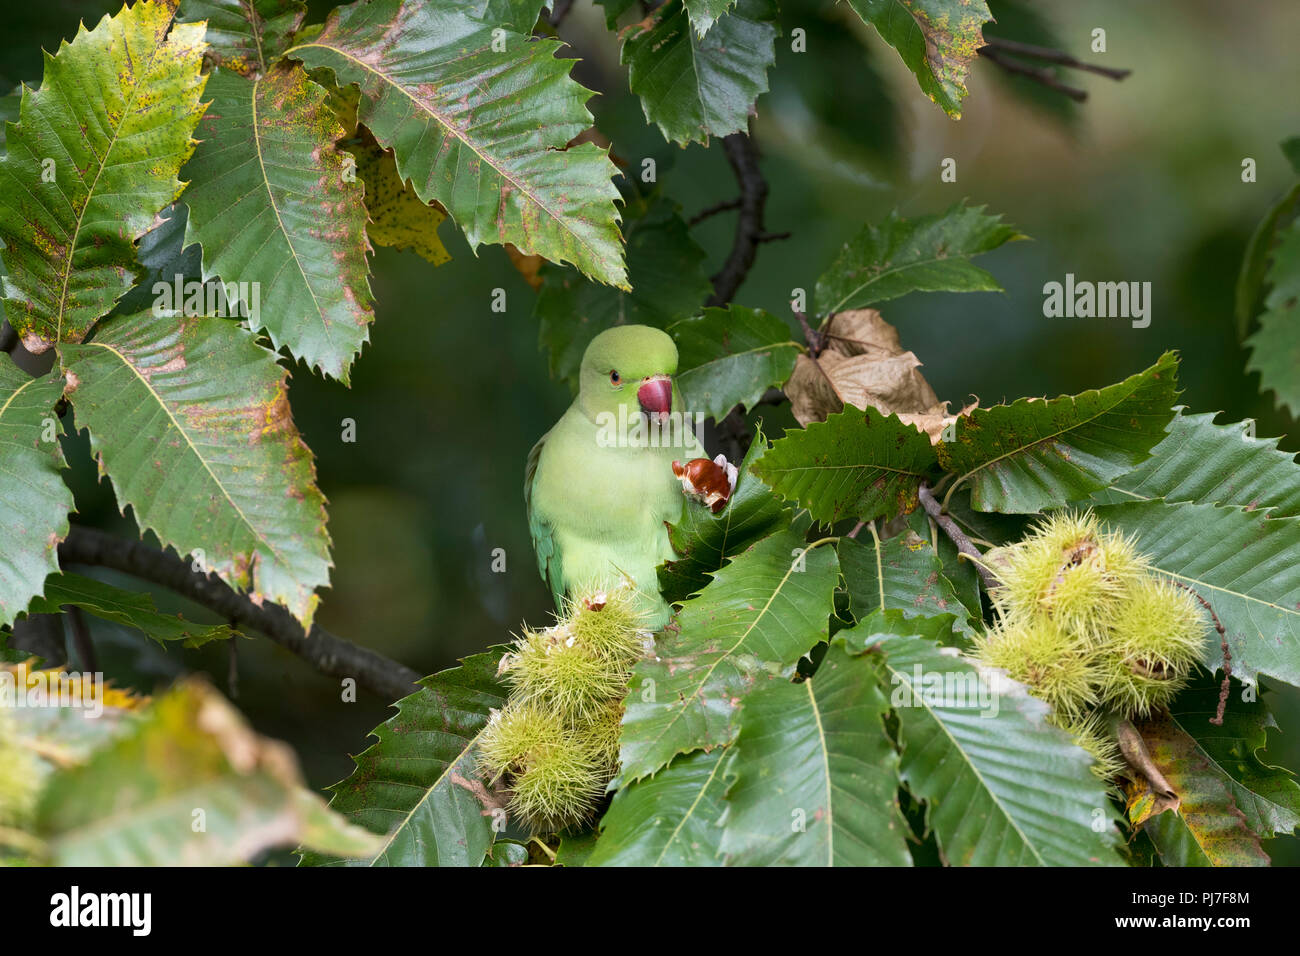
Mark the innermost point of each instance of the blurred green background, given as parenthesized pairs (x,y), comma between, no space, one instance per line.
(1141,183)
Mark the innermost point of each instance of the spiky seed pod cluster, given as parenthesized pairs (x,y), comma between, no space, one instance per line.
(555,742)
(1089,627)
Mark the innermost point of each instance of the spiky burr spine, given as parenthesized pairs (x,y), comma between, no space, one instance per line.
(1088,626)
(555,743)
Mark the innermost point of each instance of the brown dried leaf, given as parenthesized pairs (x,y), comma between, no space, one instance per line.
(864,363)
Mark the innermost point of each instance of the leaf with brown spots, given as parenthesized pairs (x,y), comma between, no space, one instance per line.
(90,164)
(189,418)
(34,501)
(1202,826)
(857,464)
(398,217)
(246,36)
(480,129)
(758,616)
(274,204)
(899,573)
(937,39)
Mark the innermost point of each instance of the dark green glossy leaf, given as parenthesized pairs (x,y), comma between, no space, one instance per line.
(1036,454)
(729,357)
(816,777)
(413,783)
(855,464)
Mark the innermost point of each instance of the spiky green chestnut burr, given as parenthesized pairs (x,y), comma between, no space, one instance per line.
(1069,570)
(1037,652)
(556,668)
(604,732)
(610,624)
(1092,734)
(1151,649)
(554,771)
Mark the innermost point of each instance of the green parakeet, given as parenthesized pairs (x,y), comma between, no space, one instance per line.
(600,486)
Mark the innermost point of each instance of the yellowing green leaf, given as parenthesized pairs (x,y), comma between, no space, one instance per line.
(91,162)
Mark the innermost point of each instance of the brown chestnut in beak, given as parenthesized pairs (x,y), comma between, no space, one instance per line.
(656,395)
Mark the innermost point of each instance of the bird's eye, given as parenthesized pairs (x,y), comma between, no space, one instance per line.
(613,377)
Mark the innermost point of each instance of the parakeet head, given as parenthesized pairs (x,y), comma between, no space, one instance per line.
(631,366)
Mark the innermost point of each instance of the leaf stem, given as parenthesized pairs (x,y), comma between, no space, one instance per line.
(956,535)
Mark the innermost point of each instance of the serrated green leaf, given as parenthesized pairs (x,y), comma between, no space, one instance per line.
(479,129)
(412,783)
(857,464)
(900,573)
(133,802)
(506,853)
(729,357)
(1267,796)
(666,270)
(517,15)
(1206,828)
(1275,346)
(693,86)
(1254,264)
(1004,787)
(816,776)
(758,616)
(131,608)
(72,206)
(705,13)
(670,819)
(926,254)
(34,501)
(1243,563)
(1202,462)
(1035,454)
(272,207)
(705,541)
(246,36)
(189,417)
(937,39)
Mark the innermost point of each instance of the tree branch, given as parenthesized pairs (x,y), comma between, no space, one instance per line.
(956,535)
(327,653)
(1039,74)
(1049,55)
(749,226)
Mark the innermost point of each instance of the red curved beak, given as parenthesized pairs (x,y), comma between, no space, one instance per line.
(656,395)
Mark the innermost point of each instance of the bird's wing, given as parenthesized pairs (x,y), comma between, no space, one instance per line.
(543,535)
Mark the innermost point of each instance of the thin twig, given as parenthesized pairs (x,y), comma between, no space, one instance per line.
(1049,55)
(816,339)
(1039,74)
(956,536)
(717,207)
(327,653)
(749,225)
